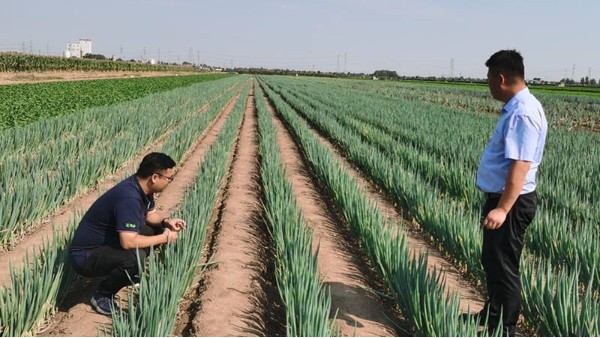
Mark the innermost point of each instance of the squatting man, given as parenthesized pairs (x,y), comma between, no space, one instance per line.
(121,226)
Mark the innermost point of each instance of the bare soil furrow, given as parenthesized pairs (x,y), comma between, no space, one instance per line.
(471,297)
(232,301)
(360,311)
(76,317)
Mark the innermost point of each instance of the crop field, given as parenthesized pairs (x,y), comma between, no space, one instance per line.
(315,207)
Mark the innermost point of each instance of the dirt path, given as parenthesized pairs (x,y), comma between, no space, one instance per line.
(7,78)
(470,298)
(360,311)
(76,317)
(232,299)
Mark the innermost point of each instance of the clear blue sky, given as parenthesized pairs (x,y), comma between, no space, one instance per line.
(556,38)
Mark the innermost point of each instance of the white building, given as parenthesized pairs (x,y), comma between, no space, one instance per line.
(78,50)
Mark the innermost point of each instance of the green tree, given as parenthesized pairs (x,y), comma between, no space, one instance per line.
(385,74)
(94,56)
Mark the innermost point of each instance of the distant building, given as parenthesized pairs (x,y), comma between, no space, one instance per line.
(73,50)
(78,50)
(536,81)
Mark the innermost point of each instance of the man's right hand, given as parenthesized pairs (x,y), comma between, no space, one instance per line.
(171,236)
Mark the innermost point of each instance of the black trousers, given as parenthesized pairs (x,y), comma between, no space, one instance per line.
(120,266)
(500,257)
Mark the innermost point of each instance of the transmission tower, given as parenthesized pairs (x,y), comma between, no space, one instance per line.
(451,67)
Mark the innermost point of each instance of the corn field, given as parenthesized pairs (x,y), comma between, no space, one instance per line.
(17,62)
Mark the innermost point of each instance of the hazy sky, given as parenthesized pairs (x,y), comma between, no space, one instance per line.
(428,37)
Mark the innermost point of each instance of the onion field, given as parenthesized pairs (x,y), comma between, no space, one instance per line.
(318,236)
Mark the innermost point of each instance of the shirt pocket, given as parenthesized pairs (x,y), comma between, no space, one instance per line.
(497,140)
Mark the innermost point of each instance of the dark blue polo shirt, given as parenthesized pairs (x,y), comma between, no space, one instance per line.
(123,208)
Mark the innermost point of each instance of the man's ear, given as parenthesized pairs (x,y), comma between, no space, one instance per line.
(503,79)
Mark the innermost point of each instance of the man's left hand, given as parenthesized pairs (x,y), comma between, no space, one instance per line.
(494,219)
(175,224)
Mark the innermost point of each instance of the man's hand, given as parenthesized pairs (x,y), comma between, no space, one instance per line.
(174,224)
(494,219)
(171,236)
(514,184)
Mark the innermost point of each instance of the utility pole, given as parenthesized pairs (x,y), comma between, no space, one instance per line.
(191,55)
(345,62)
(198,58)
(158,57)
(337,68)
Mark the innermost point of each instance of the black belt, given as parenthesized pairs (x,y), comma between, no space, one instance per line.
(492,195)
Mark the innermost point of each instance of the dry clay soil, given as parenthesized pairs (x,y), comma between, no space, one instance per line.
(33,77)
(237,295)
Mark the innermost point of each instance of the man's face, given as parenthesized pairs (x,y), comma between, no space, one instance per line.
(162,179)
(494,80)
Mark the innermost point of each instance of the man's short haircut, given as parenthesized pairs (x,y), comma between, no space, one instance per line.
(508,62)
(153,163)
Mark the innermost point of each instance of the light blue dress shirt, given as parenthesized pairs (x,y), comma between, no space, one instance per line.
(520,135)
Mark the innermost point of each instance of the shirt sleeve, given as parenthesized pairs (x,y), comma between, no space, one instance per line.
(521,138)
(128,215)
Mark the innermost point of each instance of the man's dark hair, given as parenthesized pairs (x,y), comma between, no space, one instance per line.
(508,62)
(153,163)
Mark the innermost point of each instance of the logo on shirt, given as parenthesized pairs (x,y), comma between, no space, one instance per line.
(130,225)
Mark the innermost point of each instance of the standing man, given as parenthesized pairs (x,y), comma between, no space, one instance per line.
(121,226)
(506,176)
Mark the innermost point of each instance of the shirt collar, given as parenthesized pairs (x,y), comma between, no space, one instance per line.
(512,102)
(145,197)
